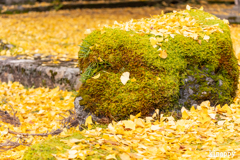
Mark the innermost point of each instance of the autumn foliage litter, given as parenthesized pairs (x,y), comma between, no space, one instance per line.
(27,112)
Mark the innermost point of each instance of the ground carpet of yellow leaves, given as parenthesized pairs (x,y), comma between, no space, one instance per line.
(201,133)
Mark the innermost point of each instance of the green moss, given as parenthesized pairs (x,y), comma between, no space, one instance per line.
(116,51)
(45,149)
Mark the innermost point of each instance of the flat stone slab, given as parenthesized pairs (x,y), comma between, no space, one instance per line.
(40,73)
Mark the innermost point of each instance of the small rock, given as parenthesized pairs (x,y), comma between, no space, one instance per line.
(209,80)
(83,113)
(190,91)
(204,92)
(220,82)
(191,78)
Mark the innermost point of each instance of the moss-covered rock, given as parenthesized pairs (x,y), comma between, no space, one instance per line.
(175,59)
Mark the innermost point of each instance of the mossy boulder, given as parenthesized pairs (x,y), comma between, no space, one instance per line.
(175,59)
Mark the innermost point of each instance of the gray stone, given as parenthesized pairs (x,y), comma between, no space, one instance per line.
(37,56)
(10,77)
(190,91)
(31,73)
(9,46)
(82,114)
(191,87)
(191,78)
(209,80)
(220,82)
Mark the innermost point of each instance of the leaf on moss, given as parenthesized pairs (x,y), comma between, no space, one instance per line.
(206,37)
(125,77)
(100,59)
(188,7)
(97,76)
(133,80)
(163,54)
(88,120)
(153,41)
(88,31)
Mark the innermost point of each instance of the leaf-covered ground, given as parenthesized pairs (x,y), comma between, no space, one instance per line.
(41,110)
(60,33)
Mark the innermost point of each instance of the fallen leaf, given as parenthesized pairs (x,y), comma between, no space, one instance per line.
(188,7)
(111,156)
(97,76)
(88,121)
(125,77)
(163,54)
(129,124)
(124,156)
(88,31)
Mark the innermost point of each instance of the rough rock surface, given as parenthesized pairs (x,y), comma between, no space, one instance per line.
(191,87)
(38,73)
(82,113)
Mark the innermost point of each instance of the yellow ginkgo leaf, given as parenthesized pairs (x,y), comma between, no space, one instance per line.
(72,154)
(91,47)
(100,59)
(129,124)
(125,156)
(201,8)
(163,54)
(88,31)
(155,127)
(159,39)
(154,115)
(125,77)
(212,116)
(133,80)
(111,156)
(225,21)
(219,138)
(149,119)
(97,146)
(226,108)
(97,76)
(89,126)
(138,115)
(153,41)
(185,115)
(172,35)
(206,37)
(192,109)
(199,41)
(188,7)
(139,122)
(88,120)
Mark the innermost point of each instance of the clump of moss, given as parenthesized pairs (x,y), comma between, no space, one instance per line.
(56,145)
(45,149)
(154,81)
